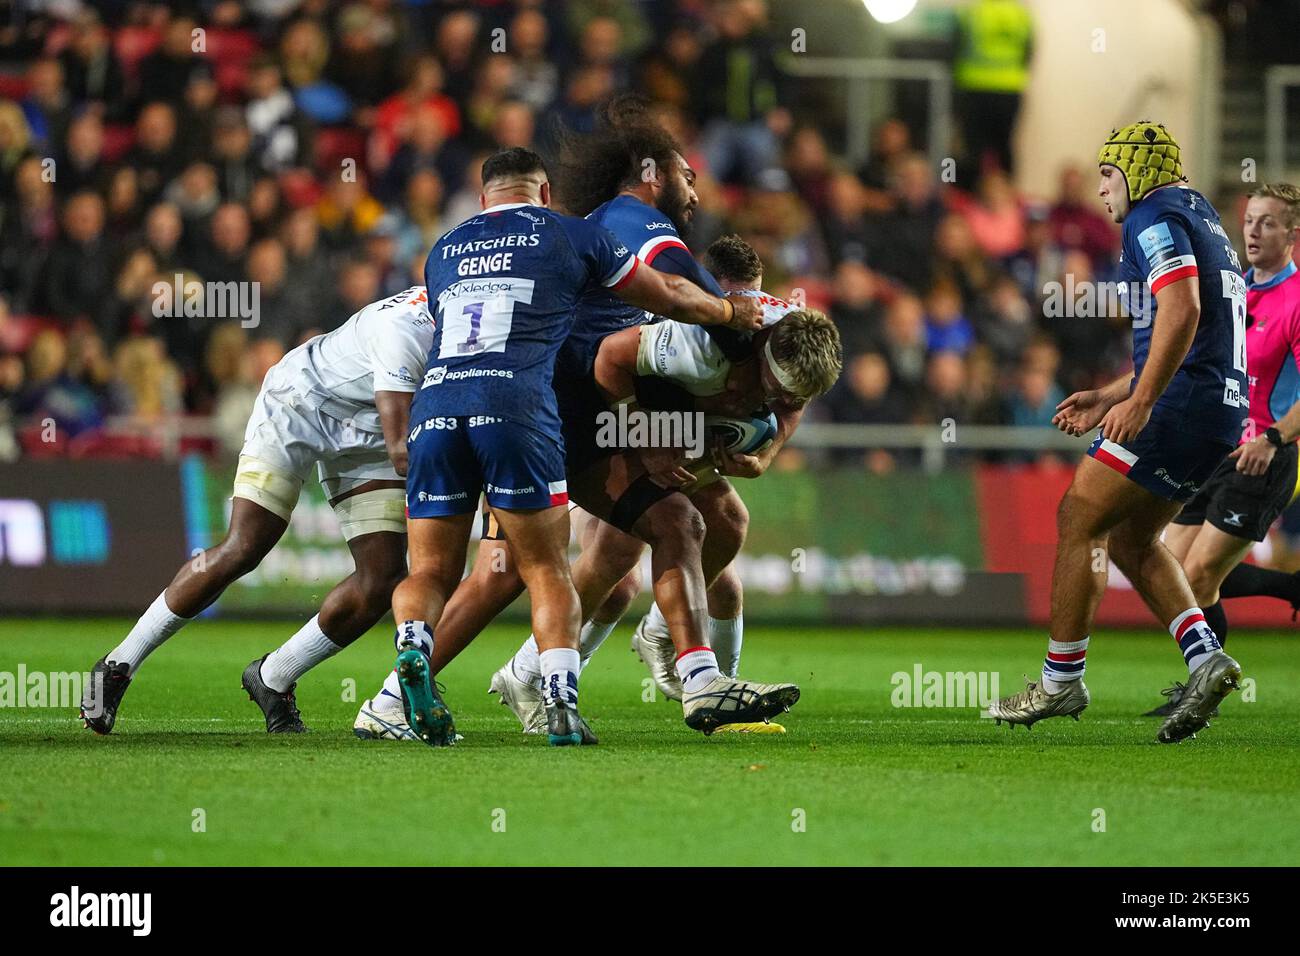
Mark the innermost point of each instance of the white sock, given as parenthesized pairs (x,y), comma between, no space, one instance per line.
(417,633)
(725,637)
(154,627)
(560,667)
(526,664)
(390,695)
(296,656)
(655,625)
(591,636)
(696,668)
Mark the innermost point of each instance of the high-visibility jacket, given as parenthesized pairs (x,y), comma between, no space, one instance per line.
(995,41)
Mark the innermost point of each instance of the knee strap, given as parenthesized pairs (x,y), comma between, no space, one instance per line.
(636,499)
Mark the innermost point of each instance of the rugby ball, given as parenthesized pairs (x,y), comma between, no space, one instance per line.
(740,436)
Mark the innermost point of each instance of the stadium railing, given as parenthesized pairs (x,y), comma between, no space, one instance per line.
(171,436)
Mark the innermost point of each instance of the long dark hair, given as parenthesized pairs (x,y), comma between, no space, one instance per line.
(592,168)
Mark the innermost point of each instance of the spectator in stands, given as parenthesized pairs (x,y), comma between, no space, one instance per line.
(587,88)
(365,59)
(891,141)
(226,364)
(223,258)
(738,93)
(27,233)
(425,146)
(277,317)
(536,75)
(995,216)
(946,327)
(91,68)
(15,146)
(958,259)
(281,132)
(492,81)
(346,213)
(808,162)
(232,155)
(195,196)
(265,207)
(163,229)
(1035,399)
(866,394)
(844,219)
(49,392)
(78,277)
(1077,223)
(946,397)
(856,308)
(903,339)
(146,383)
(903,238)
(456,48)
(156,156)
(81,164)
(1040,260)
(358,286)
(123,209)
(308,264)
(666,72)
(199,107)
(421,95)
(420,220)
(130,307)
(47,107)
(165,73)
(1004,321)
(380,250)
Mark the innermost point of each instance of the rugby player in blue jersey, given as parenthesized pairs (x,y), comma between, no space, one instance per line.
(504,286)
(1163,431)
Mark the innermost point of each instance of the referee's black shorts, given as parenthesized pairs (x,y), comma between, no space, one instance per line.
(1245,506)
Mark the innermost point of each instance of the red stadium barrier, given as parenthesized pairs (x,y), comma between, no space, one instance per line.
(1017,513)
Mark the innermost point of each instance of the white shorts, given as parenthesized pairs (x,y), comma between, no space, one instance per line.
(286,436)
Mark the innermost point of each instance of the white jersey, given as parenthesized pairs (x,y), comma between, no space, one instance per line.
(382,348)
(687,355)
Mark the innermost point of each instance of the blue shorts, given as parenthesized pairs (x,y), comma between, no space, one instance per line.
(453,458)
(1163,458)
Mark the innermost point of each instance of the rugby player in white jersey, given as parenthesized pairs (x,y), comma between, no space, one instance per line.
(338,403)
(797,357)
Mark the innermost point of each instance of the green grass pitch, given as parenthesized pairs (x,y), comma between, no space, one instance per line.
(854,781)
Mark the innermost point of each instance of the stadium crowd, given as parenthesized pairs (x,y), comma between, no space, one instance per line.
(318,149)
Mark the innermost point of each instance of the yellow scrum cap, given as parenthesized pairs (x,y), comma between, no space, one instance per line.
(1147,156)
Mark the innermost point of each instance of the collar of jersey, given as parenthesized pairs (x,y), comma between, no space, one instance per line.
(1281,277)
(505,205)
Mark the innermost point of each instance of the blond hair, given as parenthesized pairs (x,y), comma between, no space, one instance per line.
(806,344)
(1288,195)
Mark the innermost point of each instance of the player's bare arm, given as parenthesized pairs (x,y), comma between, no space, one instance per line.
(1083,411)
(681,299)
(395,417)
(1179,310)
